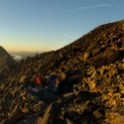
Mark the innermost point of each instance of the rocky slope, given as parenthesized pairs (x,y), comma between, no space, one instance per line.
(5,59)
(94,64)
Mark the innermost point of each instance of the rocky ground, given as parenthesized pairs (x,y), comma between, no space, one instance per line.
(94,64)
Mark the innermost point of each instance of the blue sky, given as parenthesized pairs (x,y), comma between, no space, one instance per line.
(41,25)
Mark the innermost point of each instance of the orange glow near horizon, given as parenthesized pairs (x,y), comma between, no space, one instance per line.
(25,49)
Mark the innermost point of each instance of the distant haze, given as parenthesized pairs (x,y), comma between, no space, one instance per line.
(23,55)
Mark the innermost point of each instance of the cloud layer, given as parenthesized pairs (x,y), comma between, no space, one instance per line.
(95,6)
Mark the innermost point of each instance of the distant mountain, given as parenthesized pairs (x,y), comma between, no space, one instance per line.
(5,59)
(93,91)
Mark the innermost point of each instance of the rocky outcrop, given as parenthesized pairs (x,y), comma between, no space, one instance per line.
(6,60)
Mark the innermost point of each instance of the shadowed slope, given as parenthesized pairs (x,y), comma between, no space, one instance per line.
(5,59)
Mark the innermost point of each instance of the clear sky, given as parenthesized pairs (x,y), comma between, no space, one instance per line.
(41,25)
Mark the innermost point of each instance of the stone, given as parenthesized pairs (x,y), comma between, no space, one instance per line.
(68,121)
(91,84)
(97,114)
(44,119)
(22,78)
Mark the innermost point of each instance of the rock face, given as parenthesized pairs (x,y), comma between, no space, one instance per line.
(5,59)
(93,90)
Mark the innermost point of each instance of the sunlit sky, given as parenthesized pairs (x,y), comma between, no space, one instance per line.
(42,25)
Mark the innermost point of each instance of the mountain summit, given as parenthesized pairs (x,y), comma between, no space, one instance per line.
(93,87)
(5,59)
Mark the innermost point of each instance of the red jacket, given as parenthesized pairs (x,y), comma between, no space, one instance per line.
(37,80)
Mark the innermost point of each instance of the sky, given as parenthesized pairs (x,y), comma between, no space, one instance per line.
(44,25)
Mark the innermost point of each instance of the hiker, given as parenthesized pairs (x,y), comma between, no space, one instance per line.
(35,84)
(31,87)
(36,79)
(52,81)
(56,81)
(61,81)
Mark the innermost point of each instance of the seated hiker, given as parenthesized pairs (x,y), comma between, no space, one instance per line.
(38,81)
(35,84)
(56,81)
(51,81)
(31,88)
(61,81)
